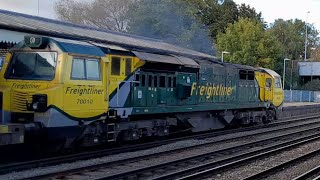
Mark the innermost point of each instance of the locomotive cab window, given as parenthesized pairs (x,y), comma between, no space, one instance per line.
(78,70)
(115,66)
(128,66)
(32,66)
(268,83)
(85,69)
(277,82)
(92,69)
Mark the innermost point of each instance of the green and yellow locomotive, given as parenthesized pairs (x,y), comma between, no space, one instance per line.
(87,93)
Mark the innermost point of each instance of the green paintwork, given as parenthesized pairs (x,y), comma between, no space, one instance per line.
(214,88)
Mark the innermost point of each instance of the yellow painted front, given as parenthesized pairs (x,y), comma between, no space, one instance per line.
(115,80)
(260,77)
(16,92)
(265,88)
(268,91)
(64,94)
(4,87)
(84,98)
(278,97)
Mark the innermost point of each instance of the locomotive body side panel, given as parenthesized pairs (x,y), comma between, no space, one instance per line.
(75,91)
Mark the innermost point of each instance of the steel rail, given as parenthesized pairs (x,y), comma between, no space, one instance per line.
(193,158)
(10,167)
(210,168)
(309,174)
(7,168)
(289,163)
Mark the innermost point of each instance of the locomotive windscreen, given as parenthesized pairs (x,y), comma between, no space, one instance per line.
(32,66)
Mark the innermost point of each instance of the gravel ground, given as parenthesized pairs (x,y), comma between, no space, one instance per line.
(266,163)
(297,170)
(169,147)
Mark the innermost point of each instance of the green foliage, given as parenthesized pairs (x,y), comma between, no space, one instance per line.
(248,43)
(196,24)
(245,11)
(218,14)
(171,21)
(291,35)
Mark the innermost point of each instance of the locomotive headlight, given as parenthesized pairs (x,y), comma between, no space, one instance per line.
(39,102)
(35,106)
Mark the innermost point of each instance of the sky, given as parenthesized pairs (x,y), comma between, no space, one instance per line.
(287,9)
(270,9)
(30,7)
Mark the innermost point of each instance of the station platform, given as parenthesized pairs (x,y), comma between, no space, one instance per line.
(290,109)
(290,104)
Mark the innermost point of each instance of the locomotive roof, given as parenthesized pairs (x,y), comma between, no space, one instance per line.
(48,27)
(78,47)
(237,66)
(245,67)
(271,72)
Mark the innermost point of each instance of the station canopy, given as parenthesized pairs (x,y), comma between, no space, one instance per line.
(171,59)
(42,26)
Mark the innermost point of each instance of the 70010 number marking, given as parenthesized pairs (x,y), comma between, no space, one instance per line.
(84,101)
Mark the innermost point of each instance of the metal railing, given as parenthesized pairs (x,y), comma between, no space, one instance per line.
(301,96)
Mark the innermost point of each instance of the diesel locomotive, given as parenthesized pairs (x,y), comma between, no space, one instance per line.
(85,93)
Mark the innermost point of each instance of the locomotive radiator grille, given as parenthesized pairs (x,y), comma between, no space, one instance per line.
(19,101)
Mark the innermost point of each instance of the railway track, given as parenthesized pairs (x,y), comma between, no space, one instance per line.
(311,133)
(311,174)
(207,170)
(291,162)
(19,166)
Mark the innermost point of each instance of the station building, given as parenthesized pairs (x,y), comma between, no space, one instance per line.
(309,70)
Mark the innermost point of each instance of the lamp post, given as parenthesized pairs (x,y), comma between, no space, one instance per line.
(291,75)
(224,52)
(306,38)
(284,71)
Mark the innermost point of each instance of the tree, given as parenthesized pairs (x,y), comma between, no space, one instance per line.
(71,11)
(315,53)
(291,34)
(107,14)
(248,43)
(171,21)
(217,14)
(245,11)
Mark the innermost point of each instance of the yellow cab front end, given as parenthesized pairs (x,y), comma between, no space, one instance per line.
(277,93)
(50,88)
(270,89)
